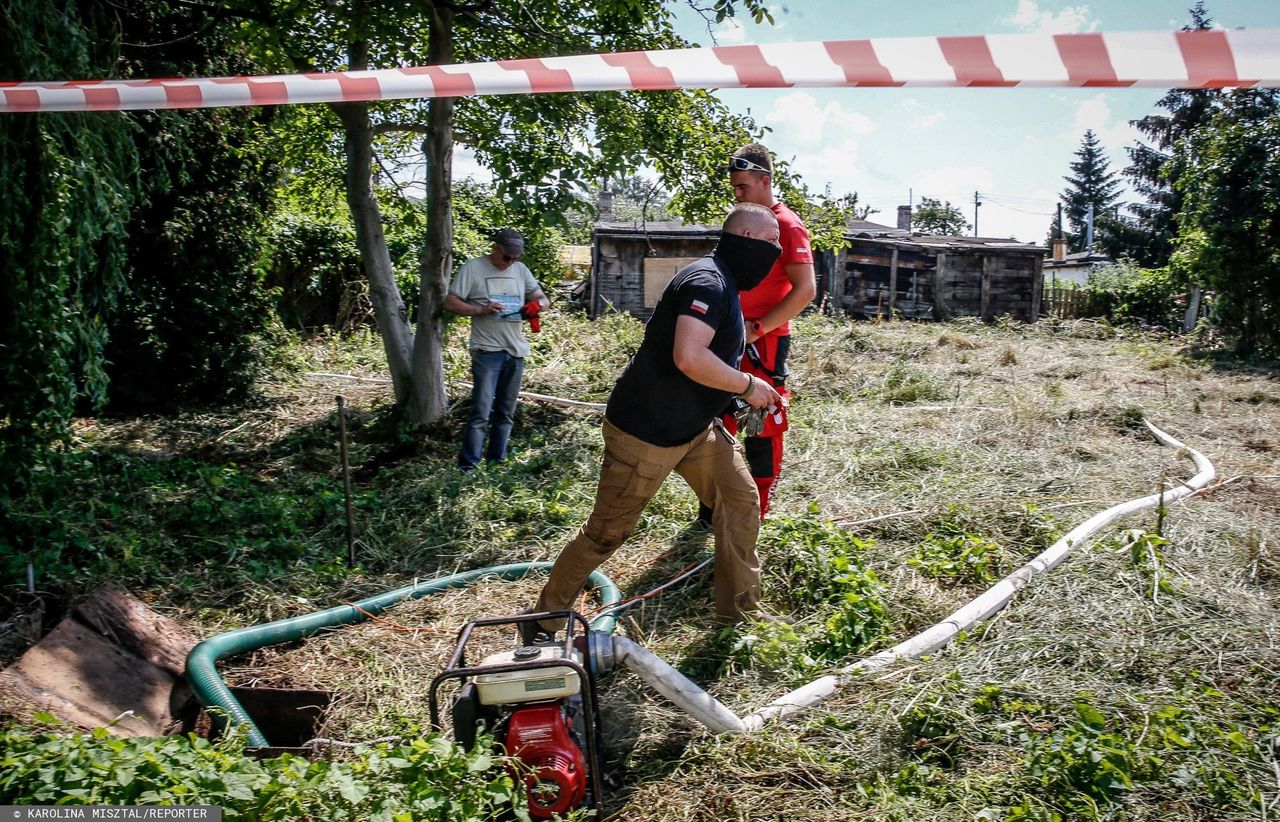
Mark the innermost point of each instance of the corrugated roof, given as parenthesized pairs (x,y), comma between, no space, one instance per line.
(857,229)
(657,227)
(1088,257)
(943,241)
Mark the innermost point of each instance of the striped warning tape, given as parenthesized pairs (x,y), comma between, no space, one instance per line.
(1198,59)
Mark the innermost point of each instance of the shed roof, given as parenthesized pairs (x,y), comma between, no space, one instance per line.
(940,242)
(675,229)
(1080,258)
(657,228)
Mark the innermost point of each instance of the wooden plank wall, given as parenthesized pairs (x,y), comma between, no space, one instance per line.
(886,279)
(619,277)
(989,284)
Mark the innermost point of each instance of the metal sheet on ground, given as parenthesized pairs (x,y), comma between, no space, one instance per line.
(112,656)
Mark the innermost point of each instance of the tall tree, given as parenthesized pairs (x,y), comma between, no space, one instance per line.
(67,182)
(544,151)
(197,307)
(1091,183)
(1229,226)
(1156,163)
(935,217)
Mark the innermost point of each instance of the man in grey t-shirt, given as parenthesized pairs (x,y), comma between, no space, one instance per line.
(496,292)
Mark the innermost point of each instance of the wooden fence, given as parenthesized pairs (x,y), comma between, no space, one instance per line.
(1066,303)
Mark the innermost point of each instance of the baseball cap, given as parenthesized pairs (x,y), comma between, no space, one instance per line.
(510,239)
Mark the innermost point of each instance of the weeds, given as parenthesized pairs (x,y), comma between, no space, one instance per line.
(817,571)
(424,778)
(234,516)
(965,558)
(904,384)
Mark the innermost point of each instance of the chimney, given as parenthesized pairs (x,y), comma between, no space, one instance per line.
(1059,249)
(904,217)
(604,205)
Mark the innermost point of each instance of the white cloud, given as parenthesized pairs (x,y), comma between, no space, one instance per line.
(800,118)
(954,183)
(730,31)
(837,163)
(931,120)
(1095,113)
(1030,17)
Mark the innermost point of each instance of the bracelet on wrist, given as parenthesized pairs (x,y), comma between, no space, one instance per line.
(751,384)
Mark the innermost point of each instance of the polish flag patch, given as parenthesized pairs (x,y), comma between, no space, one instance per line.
(699,306)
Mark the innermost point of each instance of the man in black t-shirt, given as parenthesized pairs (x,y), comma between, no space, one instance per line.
(664,415)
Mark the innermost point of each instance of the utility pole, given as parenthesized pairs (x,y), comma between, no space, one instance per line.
(976,203)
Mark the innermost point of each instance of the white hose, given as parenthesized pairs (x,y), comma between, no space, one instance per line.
(676,687)
(672,684)
(999,594)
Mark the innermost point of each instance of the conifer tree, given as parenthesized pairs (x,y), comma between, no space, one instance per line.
(1092,182)
(1156,163)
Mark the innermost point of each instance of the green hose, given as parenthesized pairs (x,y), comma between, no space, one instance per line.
(212,691)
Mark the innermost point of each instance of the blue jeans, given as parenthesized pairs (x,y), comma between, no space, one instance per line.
(495,376)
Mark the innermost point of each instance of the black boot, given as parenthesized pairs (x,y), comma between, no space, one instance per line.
(532,633)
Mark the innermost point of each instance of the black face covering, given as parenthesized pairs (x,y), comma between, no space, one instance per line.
(748,259)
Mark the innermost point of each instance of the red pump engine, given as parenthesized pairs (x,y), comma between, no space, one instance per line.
(538,702)
(541,736)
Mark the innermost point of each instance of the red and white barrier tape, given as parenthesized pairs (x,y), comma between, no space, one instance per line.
(1198,59)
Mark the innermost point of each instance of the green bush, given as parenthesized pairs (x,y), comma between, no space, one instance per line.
(1084,764)
(194,327)
(958,557)
(1124,293)
(68,182)
(815,565)
(427,778)
(314,266)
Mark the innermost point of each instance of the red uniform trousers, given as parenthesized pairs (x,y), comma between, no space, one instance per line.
(764,452)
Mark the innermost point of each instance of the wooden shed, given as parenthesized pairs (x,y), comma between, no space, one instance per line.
(890,272)
(878,271)
(632,263)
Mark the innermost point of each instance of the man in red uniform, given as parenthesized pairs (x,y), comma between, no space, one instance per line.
(768,308)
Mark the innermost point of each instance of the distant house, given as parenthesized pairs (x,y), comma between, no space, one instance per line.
(1073,269)
(879,271)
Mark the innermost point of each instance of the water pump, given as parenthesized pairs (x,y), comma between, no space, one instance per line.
(539,704)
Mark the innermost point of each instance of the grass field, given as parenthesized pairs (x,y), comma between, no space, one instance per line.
(1137,681)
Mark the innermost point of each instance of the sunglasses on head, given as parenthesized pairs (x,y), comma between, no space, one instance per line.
(743,164)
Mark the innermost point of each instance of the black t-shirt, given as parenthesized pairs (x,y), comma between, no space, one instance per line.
(653,400)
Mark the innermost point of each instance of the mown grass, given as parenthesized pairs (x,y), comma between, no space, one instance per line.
(1137,681)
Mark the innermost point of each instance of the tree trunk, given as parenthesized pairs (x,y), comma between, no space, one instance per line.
(388,305)
(427,401)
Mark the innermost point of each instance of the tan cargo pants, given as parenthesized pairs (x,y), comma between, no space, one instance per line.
(632,472)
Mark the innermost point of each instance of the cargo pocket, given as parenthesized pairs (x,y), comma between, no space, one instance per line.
(630,485)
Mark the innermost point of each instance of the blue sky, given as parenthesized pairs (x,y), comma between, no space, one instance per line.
(1013,146)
